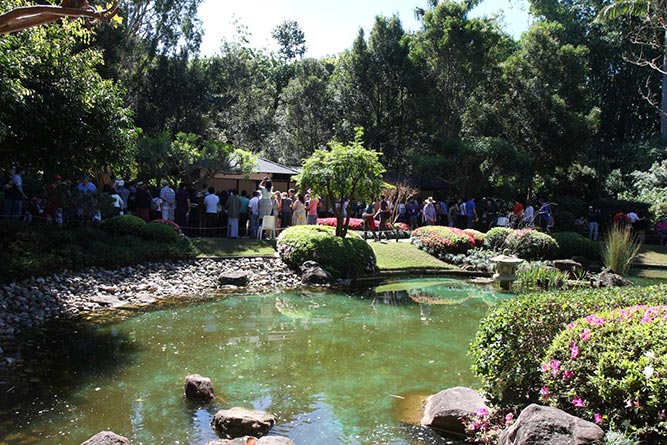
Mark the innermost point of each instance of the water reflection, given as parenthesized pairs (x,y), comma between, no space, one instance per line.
(329,366)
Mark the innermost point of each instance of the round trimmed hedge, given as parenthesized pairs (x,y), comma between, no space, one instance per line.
(123,225)
(495,238)
(571,244)
(531,245)
(514,336)
(440,241)
(159,232)
(610,368)
(342,257)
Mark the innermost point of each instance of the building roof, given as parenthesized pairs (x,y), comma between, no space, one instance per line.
(266,166)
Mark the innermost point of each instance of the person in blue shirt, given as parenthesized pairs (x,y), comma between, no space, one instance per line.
(471,213)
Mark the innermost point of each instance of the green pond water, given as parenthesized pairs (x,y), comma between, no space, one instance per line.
(334,368)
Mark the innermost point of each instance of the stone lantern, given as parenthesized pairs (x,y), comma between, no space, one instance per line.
(506,267)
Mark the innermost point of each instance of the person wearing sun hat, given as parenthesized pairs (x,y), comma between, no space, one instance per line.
(429,215)
(168,197)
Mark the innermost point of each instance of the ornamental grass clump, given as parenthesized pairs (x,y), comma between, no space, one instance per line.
(342,257)
(440,241)
(610,368)
(514,336)
(620,249)
(530,245)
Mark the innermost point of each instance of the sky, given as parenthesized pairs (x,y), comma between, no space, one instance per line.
(329,26)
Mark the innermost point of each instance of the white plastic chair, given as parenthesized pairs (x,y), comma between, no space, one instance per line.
(268,223)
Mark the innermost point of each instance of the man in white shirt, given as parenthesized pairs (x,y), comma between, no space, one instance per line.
(211,202)
(253,211)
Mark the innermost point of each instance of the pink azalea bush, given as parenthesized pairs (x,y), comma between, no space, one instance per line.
(610,368)
(486,424)
(440,241)
(477,236)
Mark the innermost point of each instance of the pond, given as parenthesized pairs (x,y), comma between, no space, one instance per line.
(334,368)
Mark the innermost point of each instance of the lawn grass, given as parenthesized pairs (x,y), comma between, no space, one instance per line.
(395,256)
(652,254)
(226,247)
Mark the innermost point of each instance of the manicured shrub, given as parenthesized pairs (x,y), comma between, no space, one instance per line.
(123,225)
(440,241)
(477,236)
(163,233)
(495,238)
(515,335)
(572,244)
(564,220)
(169,223)
(343,257)
(610,368)
(531,245)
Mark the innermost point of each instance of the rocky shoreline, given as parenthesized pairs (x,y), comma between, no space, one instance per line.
(30,303)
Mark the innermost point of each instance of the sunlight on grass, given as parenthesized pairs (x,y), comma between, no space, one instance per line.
(392,255)
(221,247)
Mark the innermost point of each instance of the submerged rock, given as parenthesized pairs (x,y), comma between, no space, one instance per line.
(198,388)
(238,422)
(313,273)
(544,425)
(107,438)
(445,409)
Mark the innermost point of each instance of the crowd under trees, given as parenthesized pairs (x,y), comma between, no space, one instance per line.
(572,107)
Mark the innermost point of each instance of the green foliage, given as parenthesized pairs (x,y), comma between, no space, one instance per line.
(440,241)
(342,257)
(532,245)
(572,204)
(571,244)
(343,172)
(534,276)
(159,232)
(610,367)
(123,225)
(514,337)
(617,438)
(564,220)
(619,249)
(495,238)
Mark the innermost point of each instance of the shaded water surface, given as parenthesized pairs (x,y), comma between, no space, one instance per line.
(334,368)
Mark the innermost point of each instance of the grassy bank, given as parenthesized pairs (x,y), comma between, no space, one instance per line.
(403,255)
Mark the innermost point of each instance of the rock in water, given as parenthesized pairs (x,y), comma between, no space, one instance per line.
(445,409)
(198,387)
(107,438)
(544,425)
(238,422)
(313,273)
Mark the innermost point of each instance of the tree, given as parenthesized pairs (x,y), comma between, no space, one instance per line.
(291,39)
(24,17)
(57,115)
(343,172)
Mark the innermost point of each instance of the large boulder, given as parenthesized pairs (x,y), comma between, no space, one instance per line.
(445,409)
(238,422)
(198,387)
(107,438)
(234,278)
(544,425)
(609,279)
(313,273)
(569,266)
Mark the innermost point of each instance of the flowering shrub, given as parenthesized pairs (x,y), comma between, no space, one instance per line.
(610,368)
(515,335)
(402,227)
(494,239)
(477,236)
(170,223)
(486,424)
(532,245)
(342,257)
(440,241)
(355,223)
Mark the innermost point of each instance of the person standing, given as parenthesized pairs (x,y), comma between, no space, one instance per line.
(429,214)
(298,211)
(286,211)
(233,207)
(314,203)
(593,217)
(142,201)
(124,194)
(168,201)
(462,216)
(545,214)
(243,214)
(265,204)
(182,205)
(471,213)
(211,202)
(253,214)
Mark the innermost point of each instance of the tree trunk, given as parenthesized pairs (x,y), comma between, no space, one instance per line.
(663,103)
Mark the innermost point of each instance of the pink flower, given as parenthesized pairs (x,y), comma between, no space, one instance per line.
(597,417)
(555,366)
(595,320)
(568,375)
(585,335)
(574,350)
(545,367)
(578,402)
(544,392)
(570,325)
(508,419)
(482,412)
